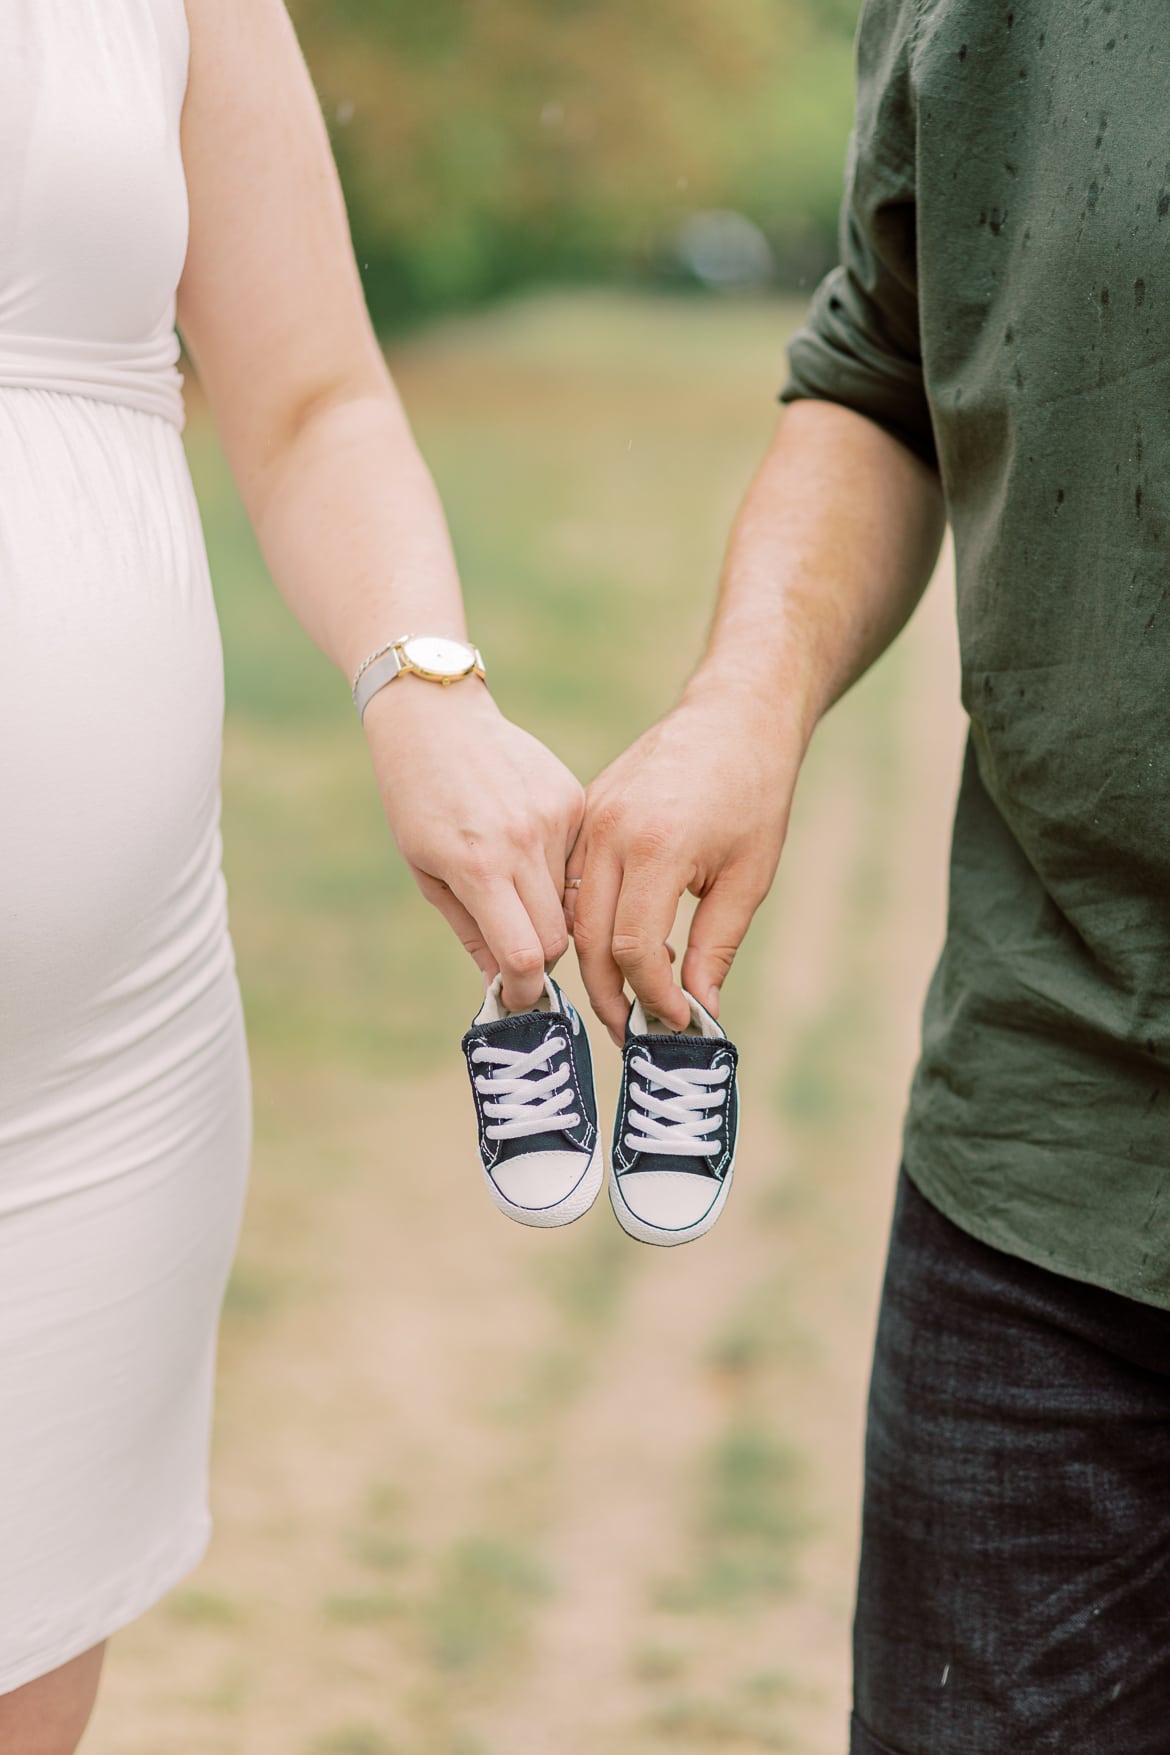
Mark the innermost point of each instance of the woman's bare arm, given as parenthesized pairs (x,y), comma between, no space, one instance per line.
(271,310)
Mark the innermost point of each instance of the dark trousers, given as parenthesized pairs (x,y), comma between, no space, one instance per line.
(1014,1590)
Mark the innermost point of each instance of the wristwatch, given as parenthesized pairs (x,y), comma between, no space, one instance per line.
(430,656)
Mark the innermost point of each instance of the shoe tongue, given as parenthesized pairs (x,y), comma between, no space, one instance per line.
(532,1025)
(519,1030)
(673,1052)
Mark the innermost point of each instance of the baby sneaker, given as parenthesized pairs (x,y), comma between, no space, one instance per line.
(674,1139)
(532,1079)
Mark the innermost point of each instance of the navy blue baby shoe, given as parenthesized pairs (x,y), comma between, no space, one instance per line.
(674,1138)
(532,1080)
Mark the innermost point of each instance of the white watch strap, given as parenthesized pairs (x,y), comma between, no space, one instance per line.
(375,676)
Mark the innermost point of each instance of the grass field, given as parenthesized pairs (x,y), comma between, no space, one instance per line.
(484,1491)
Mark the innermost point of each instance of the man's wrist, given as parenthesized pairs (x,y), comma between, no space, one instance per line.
(773,699)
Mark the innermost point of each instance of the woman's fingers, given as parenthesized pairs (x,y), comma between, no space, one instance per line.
(510,936)
(541,897)
(574,868)
(459,920)
(488,814)
(514,923)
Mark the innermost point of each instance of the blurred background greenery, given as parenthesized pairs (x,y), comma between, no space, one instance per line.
(479,1489)
(488,144)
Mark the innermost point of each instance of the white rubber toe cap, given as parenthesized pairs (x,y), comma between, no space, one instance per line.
(539,1181)
(669,1200)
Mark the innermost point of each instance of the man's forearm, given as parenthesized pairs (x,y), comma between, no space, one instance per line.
(831,552)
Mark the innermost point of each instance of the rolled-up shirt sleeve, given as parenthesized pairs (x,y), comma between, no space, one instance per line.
(860,344)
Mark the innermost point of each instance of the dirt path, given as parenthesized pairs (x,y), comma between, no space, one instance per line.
(657,1395)
(486,1492)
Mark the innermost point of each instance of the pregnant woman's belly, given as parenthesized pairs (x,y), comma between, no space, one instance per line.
(117,980)
(125,1099)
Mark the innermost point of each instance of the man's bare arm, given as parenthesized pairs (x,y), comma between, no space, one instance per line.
(830,554)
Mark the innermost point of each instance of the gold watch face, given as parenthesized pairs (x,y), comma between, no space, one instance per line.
(437,658)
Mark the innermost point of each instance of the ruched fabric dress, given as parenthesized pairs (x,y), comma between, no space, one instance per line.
(125,1102)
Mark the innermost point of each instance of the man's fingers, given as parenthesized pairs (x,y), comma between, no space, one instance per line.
(643,919)
(460,922)
(593,909)
(511,938)
(717,930)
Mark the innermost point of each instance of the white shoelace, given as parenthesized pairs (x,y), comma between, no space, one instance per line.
(525,1105)
(679,1125)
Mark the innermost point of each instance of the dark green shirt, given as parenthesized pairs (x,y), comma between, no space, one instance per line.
(1003,307)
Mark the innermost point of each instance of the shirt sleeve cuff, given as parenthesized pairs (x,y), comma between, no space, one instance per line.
(834,358)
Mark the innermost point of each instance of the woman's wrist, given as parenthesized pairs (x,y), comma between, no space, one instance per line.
(411,700)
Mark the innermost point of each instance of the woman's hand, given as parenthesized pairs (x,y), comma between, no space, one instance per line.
(699,803)
(485,816)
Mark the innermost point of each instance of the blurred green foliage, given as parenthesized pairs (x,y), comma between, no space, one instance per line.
(485,144)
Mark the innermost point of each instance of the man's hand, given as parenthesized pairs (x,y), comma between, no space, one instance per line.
(484,815)
(832,549)
(700,803)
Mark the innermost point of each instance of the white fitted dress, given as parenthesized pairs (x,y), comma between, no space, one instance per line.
(125,1102)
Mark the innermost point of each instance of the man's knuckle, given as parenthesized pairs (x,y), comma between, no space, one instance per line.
(653,838)
(606,818)
(630,948)
(585,936)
